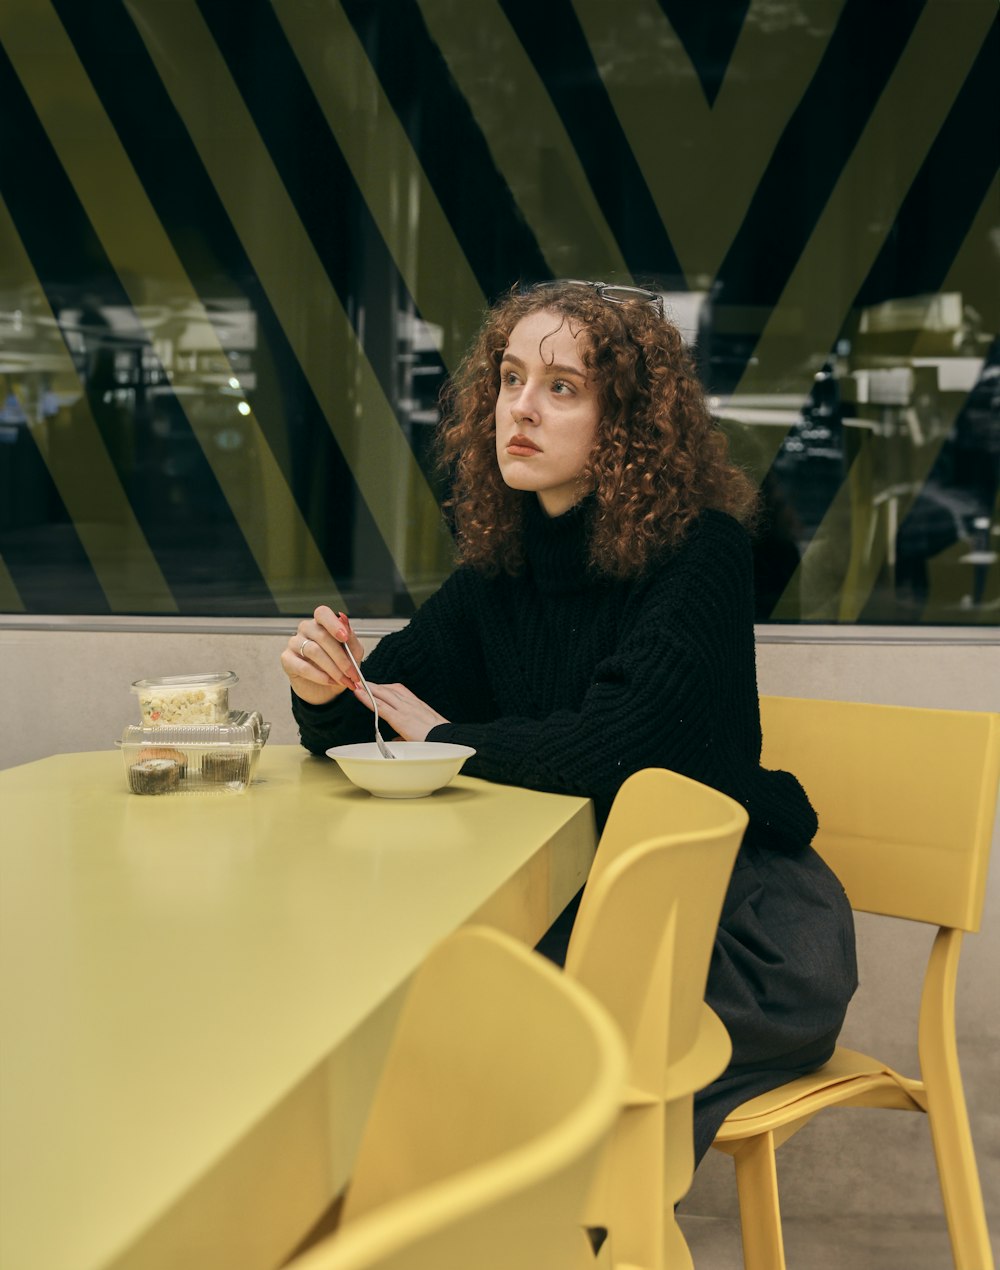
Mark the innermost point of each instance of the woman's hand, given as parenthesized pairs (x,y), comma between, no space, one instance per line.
(405,713)
(314,659)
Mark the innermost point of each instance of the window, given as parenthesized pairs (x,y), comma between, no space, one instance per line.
(242,249)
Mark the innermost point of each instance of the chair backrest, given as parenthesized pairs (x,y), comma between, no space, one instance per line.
(643,936)
(906,799)
(501,1086)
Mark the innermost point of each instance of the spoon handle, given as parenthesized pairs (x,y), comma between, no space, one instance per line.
(383,749)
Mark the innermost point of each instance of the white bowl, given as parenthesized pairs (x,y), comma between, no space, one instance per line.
(419,768)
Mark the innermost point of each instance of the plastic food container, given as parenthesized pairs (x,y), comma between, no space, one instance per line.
(206,758)
(182,700)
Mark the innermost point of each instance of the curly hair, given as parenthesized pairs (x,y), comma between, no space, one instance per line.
(659,457)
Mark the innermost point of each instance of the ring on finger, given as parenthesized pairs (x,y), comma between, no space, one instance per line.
(302,647)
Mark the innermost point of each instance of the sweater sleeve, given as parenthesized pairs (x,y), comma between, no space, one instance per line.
(437,655)
(643,709)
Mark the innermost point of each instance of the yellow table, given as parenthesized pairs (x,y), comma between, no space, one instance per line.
(197,991)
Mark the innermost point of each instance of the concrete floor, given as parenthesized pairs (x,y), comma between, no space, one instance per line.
(845,1243)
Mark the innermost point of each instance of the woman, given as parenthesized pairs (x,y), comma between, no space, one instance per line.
(601,621)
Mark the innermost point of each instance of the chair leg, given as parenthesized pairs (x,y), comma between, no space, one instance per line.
(760,1212)
(628,1195)
(676,1253)
(960,1187)
(946,1110)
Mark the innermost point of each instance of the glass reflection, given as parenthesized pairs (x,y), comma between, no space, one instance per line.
(228,438)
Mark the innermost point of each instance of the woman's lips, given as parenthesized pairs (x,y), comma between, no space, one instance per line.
(520,445)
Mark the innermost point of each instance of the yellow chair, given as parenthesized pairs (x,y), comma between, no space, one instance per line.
(641,943)
(501,1085)
(906,800)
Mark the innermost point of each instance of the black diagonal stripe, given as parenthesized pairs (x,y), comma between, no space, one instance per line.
(39,545)
(190,210)
(559,51)
(497,242)
(75,273)
(318,180)
(933,222)
(292,127)
(863,50)
(709,33)
(946,195)
(50,568)
(165,160)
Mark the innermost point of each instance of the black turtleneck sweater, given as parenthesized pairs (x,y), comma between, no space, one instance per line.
(567,682)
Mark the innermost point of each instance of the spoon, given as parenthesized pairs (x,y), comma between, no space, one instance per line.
(383,749)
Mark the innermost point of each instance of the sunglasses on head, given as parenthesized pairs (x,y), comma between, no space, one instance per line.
(610,292)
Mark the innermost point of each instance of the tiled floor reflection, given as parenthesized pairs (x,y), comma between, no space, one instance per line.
(828,1244)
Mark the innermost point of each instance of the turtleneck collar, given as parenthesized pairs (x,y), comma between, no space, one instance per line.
(556,547)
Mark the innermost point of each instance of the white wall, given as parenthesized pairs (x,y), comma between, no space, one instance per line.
(68,690)
(65,689)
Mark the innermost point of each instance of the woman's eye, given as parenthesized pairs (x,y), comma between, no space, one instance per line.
(507,378)
(562,387)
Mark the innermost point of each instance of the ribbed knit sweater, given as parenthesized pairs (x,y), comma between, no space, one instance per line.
(569,682)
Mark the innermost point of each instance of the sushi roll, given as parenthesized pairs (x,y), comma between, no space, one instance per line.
(225,769)
(154,776)
(165,751)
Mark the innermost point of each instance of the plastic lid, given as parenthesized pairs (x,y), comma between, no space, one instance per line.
(253,732)
(211,679)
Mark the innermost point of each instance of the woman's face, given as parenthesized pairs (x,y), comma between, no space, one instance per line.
(547,411)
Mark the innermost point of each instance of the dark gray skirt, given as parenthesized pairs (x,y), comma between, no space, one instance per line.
(783,971)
